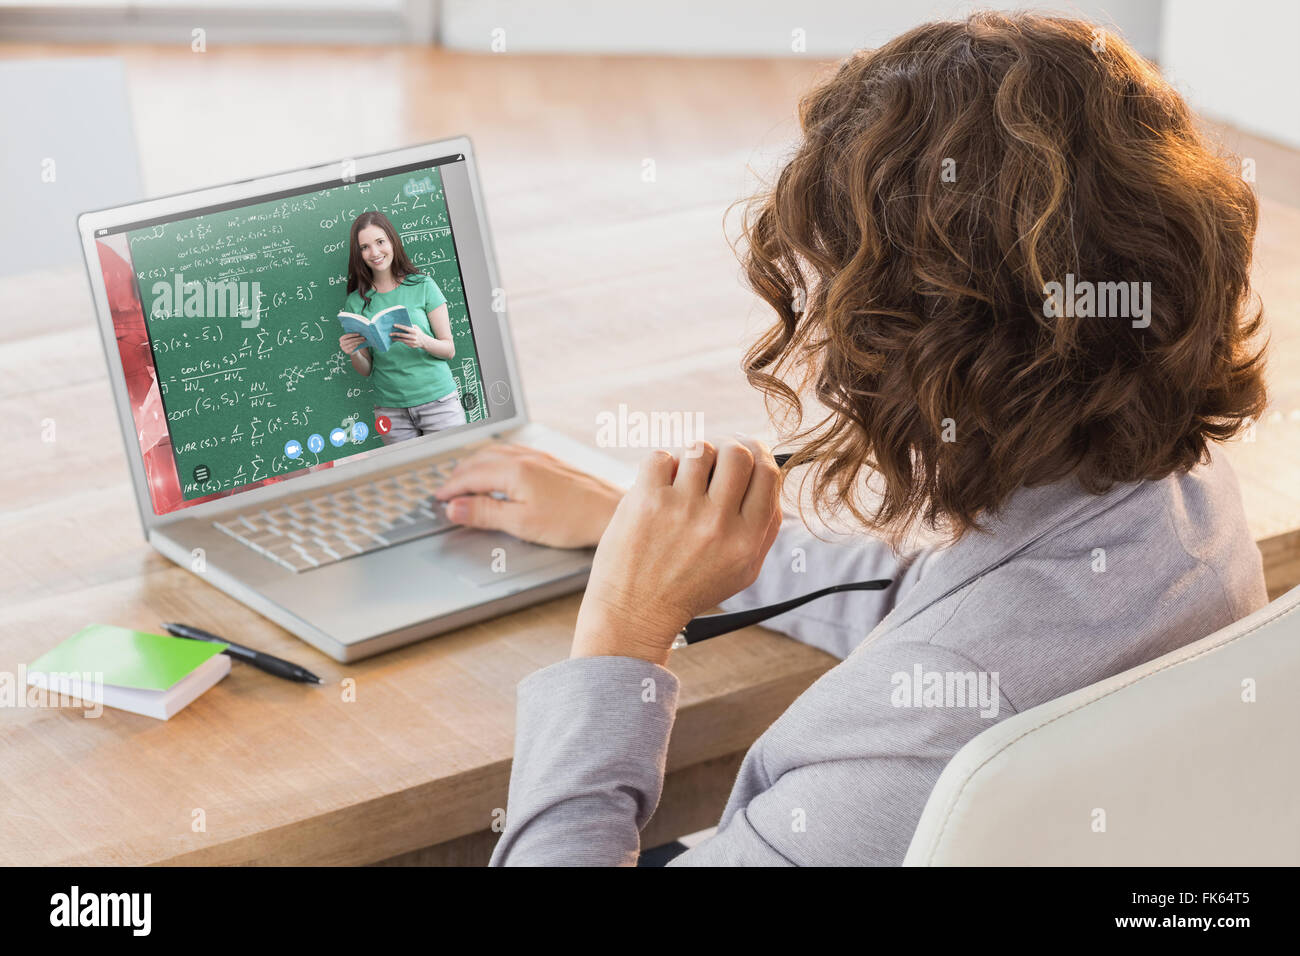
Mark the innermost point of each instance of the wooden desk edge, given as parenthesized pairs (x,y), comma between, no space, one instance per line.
(382,829)
(700,774)
(1281,556)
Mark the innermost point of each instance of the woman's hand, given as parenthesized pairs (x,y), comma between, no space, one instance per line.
(413,336)
(550,502)
(349,342)
(688,535)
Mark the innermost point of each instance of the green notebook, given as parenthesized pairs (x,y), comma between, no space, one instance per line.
(152,674)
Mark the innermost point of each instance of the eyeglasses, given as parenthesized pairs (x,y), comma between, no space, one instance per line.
(711,625)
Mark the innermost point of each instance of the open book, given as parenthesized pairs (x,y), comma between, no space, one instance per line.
(379,330)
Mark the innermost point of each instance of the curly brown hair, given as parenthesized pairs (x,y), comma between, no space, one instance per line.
(941,183)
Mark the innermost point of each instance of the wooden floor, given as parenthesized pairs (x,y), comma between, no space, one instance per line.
(620,290)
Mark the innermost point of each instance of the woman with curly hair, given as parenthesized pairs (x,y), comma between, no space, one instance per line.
(1016,279)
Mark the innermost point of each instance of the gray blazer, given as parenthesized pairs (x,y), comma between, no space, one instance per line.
(1065,588)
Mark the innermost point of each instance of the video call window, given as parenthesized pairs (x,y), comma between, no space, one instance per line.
(235,328)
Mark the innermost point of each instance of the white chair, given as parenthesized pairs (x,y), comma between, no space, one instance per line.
(69,147)
(1165,764)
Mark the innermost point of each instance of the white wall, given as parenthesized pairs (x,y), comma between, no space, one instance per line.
(740,27)
(1242,67)
(224,22)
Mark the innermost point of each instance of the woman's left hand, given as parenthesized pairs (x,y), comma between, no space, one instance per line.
(415,337)
(688,535)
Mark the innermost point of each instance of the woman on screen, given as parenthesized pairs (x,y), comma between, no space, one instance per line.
(412,382)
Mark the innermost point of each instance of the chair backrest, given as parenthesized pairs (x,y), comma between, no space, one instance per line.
(69,148)
(1193,758)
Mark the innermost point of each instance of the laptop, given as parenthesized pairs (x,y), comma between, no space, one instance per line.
(261,459)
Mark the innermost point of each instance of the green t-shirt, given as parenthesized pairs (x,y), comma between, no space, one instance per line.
(404,377)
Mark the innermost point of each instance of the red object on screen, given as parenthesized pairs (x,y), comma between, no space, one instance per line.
(143,392)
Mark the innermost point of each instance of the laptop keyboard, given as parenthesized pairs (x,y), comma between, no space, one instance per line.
(311,532)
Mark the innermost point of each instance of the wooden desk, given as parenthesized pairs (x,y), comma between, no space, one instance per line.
(635,276)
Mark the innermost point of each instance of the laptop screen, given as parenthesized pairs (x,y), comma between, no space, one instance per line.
(276,336)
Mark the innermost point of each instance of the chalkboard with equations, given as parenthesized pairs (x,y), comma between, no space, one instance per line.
(236,394)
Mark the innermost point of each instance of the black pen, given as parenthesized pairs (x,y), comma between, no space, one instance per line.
(265,662)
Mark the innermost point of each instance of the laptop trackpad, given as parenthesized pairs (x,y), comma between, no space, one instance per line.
(489,557)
